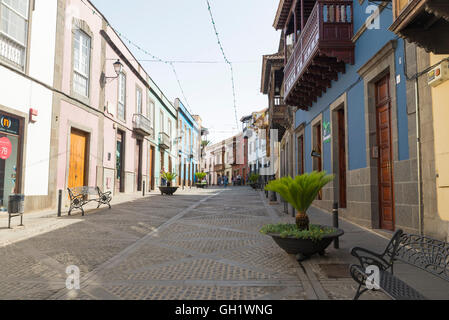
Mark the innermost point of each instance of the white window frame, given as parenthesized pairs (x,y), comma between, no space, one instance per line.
(121,96)
(77,70)
(12,49)
(139,101)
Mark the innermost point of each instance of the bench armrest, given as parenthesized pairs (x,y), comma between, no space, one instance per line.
(367,258)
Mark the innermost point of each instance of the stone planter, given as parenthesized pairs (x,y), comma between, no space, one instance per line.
(168,190)
(201,185)
(305,248)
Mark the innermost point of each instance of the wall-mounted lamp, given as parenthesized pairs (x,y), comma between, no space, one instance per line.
(118,67)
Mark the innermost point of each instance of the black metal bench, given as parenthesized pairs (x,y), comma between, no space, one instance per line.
(421,252)
(79,197)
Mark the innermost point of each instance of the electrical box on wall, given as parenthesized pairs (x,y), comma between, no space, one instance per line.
(439,74)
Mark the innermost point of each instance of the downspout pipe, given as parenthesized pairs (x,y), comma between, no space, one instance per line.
(418,159)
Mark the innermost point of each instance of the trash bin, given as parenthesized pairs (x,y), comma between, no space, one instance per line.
(16,203)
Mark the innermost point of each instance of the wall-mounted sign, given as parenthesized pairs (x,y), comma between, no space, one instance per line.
(9,124)
(5,148)
(327,132)
(316,154)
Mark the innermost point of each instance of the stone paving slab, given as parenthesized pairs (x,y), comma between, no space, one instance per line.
(198,244)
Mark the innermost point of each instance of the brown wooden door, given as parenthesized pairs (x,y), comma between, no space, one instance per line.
(342,157)
(78,159)
(319,159)
(385,163)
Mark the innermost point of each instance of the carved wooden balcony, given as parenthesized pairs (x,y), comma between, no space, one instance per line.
(423,22)
(320,52)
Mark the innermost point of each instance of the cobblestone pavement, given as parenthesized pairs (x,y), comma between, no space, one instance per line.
(198,244)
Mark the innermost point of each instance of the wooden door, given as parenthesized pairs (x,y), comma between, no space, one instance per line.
(138,165)
(385,163)
(301,155)
(119,167)
(151,172)
(319,160)
(78,159)
(190,175)
(342,157)
(180,171)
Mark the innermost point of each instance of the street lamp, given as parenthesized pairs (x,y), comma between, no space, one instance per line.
(118,67)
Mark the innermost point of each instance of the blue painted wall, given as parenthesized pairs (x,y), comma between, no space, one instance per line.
(187,119)
(369,43)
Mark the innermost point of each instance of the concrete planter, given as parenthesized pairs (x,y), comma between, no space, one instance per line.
(168,190)
(305,248)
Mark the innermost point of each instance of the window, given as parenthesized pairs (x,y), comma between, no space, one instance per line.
(151,112)
(14,30)
(121,97)
(139,101)
(161,122)
(81,63)
(169,132)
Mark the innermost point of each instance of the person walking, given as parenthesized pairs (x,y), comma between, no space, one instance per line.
(163,181)
(219,180)
(225,181)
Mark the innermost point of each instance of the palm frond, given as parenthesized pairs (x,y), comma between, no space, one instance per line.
(301,191)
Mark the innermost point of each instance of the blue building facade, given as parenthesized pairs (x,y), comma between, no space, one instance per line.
(189,136)
(361,127)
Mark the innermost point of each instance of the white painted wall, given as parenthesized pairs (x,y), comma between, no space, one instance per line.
(21,94)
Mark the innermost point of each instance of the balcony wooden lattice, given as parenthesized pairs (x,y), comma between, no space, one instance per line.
(320,53)
(423,22)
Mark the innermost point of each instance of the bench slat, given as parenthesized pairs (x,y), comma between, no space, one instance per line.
(398,289)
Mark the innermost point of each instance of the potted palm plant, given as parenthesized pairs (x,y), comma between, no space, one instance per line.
(301,238)
(199,178)
(168,189)
(254,180)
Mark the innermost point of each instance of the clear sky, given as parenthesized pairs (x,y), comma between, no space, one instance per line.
(182,30)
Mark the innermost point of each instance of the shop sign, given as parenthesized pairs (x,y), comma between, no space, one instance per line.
(327,132)
(5,148)
(9,124)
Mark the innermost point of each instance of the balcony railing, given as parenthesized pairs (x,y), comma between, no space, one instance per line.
(278,101)
(11,51)
(164,140)
(142,125)
(321,50)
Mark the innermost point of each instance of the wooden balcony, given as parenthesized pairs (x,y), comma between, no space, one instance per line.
(423,22)
(321,51)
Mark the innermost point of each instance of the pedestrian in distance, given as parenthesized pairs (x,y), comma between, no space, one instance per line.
(225,181)
(219,180)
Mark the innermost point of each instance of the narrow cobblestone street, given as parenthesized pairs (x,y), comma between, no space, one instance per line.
(195,245)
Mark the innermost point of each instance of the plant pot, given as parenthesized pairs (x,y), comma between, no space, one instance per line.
(201,185)
(168,190)
(305,248)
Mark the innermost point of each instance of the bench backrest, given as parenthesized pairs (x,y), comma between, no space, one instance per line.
(84,191)
(425,253)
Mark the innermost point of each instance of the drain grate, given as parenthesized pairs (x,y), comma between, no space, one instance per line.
(335,271)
